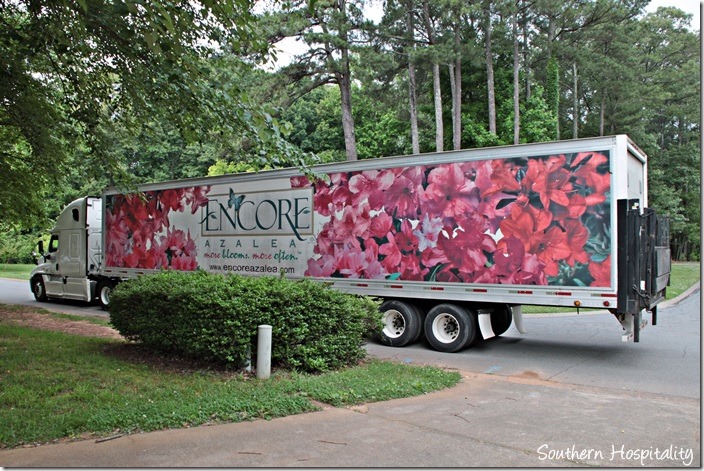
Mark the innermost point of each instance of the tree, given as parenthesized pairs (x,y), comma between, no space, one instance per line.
(71,71)
(516,75)
(329,28)
(412,88)
(430,31)
(491,97)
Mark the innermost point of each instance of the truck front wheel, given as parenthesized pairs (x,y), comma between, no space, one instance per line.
(38,289)
(402,323)
(449,328)
(105,288)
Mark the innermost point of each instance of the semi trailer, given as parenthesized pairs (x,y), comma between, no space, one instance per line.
(453,243)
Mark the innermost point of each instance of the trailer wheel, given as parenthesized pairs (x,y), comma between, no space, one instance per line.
(449,328)
(402,323)
(38,289)
(105,287)
(501,319)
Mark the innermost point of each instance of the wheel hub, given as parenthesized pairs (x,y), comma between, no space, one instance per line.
(446,328)
(394,324)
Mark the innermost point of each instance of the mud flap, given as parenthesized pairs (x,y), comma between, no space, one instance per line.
(518,318)
(485,324)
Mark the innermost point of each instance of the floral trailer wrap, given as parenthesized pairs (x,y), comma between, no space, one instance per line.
(448,240)
(542,220)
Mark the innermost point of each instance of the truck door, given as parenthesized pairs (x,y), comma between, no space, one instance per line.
(54,283)
(72,261)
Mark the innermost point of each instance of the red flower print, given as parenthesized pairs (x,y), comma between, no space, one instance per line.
(411,268)
(369,186)
(601,272)
(135,226)
(322,267)
(300,182)
(392,254)
(550,180)
(449,193)
(354,222)
(586,170)
(403,196)
(380,225)
(171,200)
(577,236)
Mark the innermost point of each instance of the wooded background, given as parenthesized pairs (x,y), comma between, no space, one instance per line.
(113,92)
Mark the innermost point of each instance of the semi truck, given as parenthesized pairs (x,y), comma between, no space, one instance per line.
(453,243)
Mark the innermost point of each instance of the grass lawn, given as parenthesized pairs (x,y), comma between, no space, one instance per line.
(56,386)
(16,271)
(683,276)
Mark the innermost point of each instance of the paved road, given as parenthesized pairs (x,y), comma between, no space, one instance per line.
(586,349)
(18,292)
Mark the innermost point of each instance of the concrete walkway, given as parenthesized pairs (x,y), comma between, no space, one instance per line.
(484,421)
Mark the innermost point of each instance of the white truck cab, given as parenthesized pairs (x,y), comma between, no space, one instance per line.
(67,269)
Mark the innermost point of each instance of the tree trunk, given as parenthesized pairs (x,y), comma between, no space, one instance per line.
(344,80)
(415,144)
(526,57)
(552,93)
(457,96)
(451,72)
(516,82)
(575,103)
(347,118)
(602,113)
(553,76)
(439,127)
(489,68)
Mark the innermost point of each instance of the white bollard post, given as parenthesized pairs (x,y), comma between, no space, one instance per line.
(263,351)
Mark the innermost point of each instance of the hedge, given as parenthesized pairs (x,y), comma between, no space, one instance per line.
(214,318)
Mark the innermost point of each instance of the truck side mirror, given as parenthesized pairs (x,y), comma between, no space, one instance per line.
(35,255)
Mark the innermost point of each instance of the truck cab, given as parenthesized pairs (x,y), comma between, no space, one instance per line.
(67,269)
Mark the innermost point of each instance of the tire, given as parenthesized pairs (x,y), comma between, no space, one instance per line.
(38,289)
(402,323)
(501,319)
(103,291)
(450,328)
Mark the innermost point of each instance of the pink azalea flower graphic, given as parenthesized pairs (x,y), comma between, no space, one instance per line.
(449,193)
(369,186)
(428,233)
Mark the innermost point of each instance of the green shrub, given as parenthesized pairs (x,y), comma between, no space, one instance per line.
(17,247)
(215,318)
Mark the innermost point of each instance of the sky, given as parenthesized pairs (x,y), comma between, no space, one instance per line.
(288,47)
(688,6)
